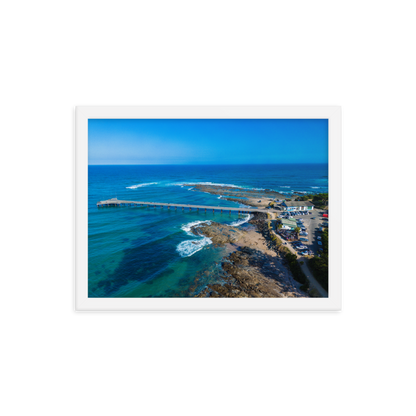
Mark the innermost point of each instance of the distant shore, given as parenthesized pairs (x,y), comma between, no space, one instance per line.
(256,198)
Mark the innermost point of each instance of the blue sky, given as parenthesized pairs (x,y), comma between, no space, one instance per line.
(219,141)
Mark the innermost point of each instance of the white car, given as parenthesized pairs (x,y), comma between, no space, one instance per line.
(319,237)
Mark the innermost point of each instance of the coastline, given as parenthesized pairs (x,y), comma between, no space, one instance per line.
(154,254)
(251,268)
(255,265)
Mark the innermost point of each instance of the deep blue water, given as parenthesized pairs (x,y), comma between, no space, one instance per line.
(147,252)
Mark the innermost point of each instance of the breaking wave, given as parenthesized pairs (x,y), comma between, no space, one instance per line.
(187,227)
(141,184)
(240,221)
(189,247)
(204,183)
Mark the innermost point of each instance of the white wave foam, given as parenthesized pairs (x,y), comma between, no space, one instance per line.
(240,221)
(220,197)
(140,185)
(182,184)
(189,247)
(187,227)
(315,187)
(204,183)
(215,184)
(285,186)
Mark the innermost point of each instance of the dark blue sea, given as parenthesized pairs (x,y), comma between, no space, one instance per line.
(147,252)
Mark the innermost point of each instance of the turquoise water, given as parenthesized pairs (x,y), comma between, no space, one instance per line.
(148,252)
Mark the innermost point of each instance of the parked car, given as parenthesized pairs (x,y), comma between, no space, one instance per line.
(319,237)
(319,243)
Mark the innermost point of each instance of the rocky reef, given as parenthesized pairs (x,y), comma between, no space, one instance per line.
(236,192)
(219,234)
(248,271)
(250,274)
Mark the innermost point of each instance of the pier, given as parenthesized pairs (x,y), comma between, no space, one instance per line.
(114,202)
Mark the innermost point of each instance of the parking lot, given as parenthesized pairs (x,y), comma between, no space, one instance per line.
(312,224)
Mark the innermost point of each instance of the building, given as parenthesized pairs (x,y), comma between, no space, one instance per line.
(288,224)
(297,206)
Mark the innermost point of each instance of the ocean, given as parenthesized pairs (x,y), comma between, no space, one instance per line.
(148,252)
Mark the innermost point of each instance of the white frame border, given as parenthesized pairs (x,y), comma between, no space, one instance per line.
(83,303)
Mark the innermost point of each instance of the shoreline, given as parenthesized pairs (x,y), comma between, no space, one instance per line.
(251,268)
(254,264)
